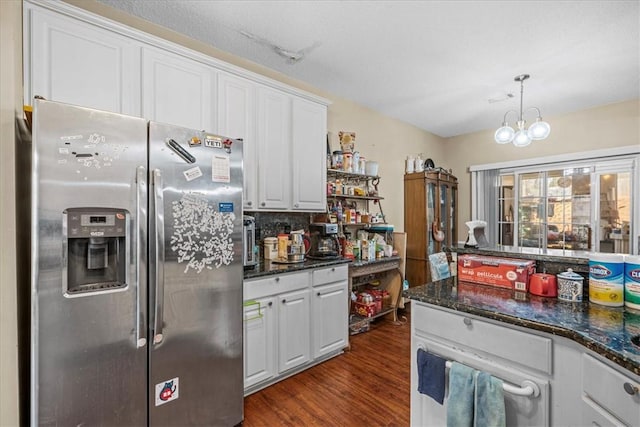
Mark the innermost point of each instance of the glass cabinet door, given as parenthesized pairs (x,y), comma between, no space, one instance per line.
(443,214)
(453,231)
(431,215)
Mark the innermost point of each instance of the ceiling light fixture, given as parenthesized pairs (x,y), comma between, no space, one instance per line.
(522,138)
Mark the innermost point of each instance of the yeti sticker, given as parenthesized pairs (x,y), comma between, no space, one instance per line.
(167,391)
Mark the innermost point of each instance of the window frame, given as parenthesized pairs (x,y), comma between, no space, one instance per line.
(625,159)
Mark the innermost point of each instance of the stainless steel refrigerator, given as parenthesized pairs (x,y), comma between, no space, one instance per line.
(136,272)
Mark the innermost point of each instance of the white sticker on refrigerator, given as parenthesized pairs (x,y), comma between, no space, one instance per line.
(220,168)
(201,236)
(167,391)
(193,173)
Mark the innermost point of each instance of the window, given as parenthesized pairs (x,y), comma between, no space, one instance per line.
(584,205)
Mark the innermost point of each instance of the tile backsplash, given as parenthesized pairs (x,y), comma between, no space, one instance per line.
(270,224)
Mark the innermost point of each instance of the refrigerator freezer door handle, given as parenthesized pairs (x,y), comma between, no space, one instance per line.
(159,256)
(141,257)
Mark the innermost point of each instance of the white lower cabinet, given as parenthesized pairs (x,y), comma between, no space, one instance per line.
(294,347)
(282,320)
(330,310)
(614,398)
(578,387)
(259,338)
(472,341)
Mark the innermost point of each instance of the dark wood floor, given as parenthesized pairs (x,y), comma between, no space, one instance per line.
(366,386)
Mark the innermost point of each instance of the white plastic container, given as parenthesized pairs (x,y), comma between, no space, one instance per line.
(632,281)
(606,279)
(371,168)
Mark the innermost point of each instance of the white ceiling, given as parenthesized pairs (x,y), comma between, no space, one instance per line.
(434,64)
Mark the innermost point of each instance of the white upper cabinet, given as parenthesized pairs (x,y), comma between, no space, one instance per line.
(237,119)
(177,90)
(70,61)
(74,56)
(274,146)
(309,155)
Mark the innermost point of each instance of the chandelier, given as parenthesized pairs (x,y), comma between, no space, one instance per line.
(523,137)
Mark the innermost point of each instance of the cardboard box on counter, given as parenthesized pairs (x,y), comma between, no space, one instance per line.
(509,273)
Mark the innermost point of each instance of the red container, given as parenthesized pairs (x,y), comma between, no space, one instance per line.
(543,285)
(502,272)
(365,310)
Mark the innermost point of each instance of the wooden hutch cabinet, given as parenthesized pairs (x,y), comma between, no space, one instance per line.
(430,219)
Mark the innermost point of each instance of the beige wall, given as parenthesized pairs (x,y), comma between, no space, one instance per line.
(615,125)
(10,102)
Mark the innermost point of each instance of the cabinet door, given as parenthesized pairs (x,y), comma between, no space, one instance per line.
(259,342)
(294,347)
(237,119)
(78,63)
(330,318)
(309,155)
(177,90)
(274,146)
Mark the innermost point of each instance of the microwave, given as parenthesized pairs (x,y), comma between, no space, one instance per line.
(250,256)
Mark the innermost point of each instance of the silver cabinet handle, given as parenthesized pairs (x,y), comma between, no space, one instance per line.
(467,321)
(159,256)
(141,257)
(630,388)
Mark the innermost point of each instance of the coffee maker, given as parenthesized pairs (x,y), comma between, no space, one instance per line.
(324,241)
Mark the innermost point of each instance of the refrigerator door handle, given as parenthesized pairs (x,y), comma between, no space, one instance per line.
(141,257)
(159,256)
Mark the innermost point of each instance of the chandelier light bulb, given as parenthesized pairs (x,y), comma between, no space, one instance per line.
(521,139)
(505,134)
(537,131)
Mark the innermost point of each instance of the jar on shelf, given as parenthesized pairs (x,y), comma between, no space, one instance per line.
(356,162)
(337,160)
(347,162)
(362,165)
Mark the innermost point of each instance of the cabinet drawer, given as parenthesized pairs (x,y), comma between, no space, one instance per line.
(272,285)
(322,276)
(606,387)
(528,350)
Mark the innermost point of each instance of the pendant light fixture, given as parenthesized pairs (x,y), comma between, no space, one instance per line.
(523,137)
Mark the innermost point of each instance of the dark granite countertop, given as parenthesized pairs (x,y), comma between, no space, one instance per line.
(268,268)
(605,330)
(567,256)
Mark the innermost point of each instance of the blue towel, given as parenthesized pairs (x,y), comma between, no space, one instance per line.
(431,375)
(489,401)
(460,406)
